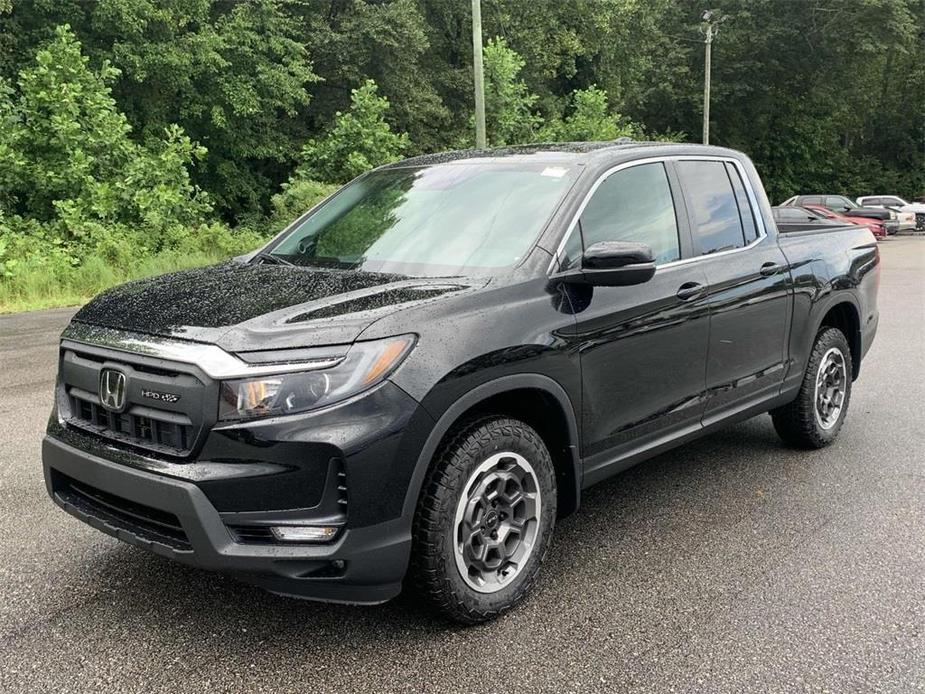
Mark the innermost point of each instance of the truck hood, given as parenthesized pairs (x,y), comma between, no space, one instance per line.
(242,306)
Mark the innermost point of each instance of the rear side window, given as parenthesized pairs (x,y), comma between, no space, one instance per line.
(812,200)
(711,200)
(746,214)
(635,205)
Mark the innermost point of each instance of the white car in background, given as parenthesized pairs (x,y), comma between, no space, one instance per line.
(911,214)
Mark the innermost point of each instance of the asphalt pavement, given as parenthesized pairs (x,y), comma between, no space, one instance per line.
(732,564)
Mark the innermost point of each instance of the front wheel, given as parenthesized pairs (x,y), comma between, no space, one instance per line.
(815,417)
(484,520)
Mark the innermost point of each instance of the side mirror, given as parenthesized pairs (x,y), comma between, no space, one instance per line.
(615,264)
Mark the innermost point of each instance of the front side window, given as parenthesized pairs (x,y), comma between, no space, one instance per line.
(634,205)
(711,200)
(893,202)
(445,220)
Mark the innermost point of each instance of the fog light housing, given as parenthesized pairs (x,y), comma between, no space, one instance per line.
(304,533)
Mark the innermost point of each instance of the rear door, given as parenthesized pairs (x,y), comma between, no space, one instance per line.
(749,286)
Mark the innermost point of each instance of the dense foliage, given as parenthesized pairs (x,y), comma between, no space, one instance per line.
(183,129)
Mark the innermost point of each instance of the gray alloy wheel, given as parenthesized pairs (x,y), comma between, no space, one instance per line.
(814,418)
(484,519)
(496,523)
(830,388)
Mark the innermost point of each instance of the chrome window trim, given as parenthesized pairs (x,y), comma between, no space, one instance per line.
(746,182)
(215,362)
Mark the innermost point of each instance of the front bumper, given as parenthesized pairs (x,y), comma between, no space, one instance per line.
(363,565)
(349,465)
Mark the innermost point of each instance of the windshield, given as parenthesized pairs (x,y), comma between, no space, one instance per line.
(443,220)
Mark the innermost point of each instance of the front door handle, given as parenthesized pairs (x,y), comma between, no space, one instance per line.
(690,290)
(770,269)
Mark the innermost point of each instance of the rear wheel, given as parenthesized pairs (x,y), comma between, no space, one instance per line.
(484,520)
(815,417)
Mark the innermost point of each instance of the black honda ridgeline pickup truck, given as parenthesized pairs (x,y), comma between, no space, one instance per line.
(417,377)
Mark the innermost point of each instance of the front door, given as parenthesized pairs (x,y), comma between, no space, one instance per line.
(642,348)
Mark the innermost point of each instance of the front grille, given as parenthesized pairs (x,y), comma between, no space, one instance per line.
(145,522)
(162,431)
(920,221)
(171,427)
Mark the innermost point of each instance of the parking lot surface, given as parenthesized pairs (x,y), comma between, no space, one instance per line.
(731,564)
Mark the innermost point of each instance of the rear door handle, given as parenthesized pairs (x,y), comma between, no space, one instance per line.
(690,290)
(770,269)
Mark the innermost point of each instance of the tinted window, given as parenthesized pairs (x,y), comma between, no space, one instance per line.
(713,206)
(896,202)
(634,205)
(746,215)
(836,203)
(811,200)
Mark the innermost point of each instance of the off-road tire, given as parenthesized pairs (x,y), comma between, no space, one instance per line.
(434,570)
(796,423)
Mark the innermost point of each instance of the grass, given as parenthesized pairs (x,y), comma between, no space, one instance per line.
(41,287)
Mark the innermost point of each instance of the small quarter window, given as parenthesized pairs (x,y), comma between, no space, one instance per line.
(746,214)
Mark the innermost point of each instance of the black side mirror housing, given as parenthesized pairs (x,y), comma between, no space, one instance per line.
(615,264)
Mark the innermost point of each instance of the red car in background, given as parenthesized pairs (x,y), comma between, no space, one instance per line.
(876,227)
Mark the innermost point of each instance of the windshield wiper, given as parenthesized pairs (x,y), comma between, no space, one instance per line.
(272,259)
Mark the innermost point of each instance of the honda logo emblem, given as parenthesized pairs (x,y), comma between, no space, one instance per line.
(112,389)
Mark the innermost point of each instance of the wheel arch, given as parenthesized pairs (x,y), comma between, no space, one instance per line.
(505,396)
(843,314)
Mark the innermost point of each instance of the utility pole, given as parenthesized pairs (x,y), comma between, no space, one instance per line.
(707,59)
(709,27)
(478,74)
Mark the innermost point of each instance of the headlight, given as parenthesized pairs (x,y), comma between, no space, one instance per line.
(365,365)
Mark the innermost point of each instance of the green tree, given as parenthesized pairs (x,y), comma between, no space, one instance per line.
(234,75)
(590,119)
(71,171)
(350,41)
(360,139)
(509,115)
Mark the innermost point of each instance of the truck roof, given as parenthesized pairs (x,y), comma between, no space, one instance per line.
(574,152)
